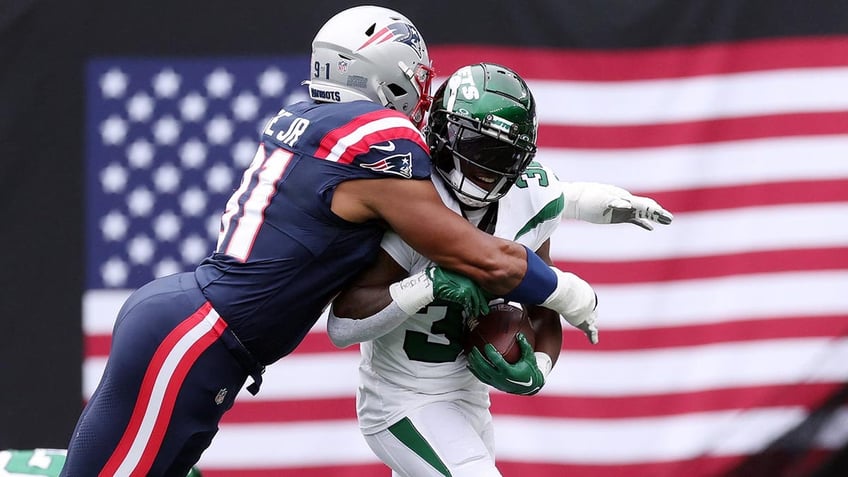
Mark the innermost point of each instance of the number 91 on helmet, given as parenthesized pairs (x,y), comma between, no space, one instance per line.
(375,54)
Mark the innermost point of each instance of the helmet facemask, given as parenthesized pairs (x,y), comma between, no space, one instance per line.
(397,97)
(480,162)
(482,132)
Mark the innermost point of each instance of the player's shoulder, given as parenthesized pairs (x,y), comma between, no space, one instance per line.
(372,137)
(538,187)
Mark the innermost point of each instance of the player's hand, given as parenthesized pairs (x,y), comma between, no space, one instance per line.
(608,204)
(524,377)
(589,329)
(576,301)
(455,288)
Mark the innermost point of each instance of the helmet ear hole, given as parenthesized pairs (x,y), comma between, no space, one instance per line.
(396,89)
(370,30)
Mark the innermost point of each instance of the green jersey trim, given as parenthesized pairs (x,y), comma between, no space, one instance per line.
(551,210)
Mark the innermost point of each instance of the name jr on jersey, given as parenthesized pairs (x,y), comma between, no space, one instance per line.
(290,136)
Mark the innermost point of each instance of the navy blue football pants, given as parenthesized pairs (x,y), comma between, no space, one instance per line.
(174,368)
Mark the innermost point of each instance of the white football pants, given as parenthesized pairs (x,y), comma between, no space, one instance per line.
(438,438)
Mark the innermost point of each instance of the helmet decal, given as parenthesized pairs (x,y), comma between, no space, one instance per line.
(400,32)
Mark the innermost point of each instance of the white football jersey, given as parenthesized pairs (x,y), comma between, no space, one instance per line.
(421,360)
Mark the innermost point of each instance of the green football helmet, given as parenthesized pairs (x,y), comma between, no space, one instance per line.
(482,132)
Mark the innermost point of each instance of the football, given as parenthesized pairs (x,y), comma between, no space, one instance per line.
(500,328)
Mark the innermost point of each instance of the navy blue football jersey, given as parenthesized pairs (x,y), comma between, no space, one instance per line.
(282,254)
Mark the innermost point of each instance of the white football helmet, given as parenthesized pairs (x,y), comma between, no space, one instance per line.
(375,54)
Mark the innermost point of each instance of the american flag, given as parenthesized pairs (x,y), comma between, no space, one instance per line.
(724,337)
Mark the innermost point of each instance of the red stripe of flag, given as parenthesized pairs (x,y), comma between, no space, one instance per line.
(698,467)
(347,470)
(654,63)
(751,195)
(708,266)
(804,395)
(98,345)
(706,465)
(544,404)
(747,330)
(287,410)
(632,339)
(692,132)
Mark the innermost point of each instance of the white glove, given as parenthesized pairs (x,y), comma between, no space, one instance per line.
(608,204)
(575,300)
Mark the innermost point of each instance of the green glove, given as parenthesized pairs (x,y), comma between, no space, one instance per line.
(455,288)
(524,377)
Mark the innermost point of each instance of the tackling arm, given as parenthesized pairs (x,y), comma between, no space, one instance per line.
(415,211)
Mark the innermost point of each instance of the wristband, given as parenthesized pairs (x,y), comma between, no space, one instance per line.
(544,363)
(538,283)
(412,293)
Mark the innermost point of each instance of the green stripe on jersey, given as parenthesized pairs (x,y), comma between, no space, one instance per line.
(406,432)
(550,211)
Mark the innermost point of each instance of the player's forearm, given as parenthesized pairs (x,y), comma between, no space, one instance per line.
(358,302)
(344,332)
(446,238)
(368,312)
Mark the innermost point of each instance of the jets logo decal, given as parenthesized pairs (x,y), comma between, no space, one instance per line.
(400,32)
(398,164)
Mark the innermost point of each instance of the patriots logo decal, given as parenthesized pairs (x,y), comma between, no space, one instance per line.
(398,164)
(400,32)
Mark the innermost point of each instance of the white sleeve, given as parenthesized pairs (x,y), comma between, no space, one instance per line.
(344,332)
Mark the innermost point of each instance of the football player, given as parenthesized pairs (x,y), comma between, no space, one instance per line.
(420,407)
(41,463)
(329,176)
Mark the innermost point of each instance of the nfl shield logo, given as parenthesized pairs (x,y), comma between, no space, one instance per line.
(343,66)
(219,398)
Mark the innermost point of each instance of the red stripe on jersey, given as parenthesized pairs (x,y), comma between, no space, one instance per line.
(161,410)
(332,138)
(364,145)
